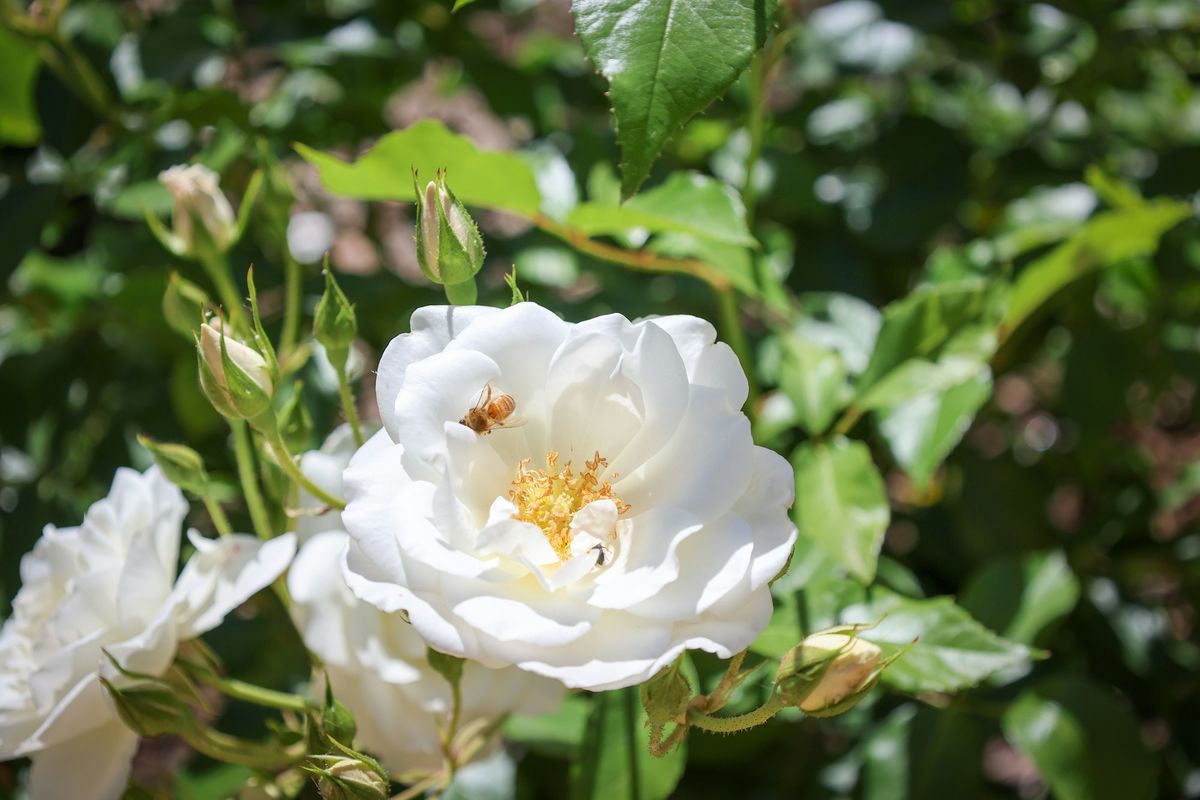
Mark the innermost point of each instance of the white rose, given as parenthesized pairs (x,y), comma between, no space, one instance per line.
(376,661)
(197,197)
(662,537)
(110,584)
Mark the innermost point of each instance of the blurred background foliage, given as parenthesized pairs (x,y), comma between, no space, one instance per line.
(909,142)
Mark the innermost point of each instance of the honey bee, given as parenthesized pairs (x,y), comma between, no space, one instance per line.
(490,411)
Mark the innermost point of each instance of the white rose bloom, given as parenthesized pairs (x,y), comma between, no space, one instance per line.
(624,517)
(196,192)
(110,584)
(376,661)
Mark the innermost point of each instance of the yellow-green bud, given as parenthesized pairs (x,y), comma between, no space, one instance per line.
(828,672)
(149,709)
(182,465)
(334,324)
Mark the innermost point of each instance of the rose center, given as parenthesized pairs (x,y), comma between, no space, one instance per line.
(550,497)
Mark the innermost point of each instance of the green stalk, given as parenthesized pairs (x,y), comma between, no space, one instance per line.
(461,294)
(736,724)
(245,463)
(217,269)
(218,516)
(735,334)
(293,472)
(348,407)
(292,280)
(259,695)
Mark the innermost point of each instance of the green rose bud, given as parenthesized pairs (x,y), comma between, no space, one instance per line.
(349,776)
(334,324)
(182,465)
(449,248)
(828,672)
(149,708)
(235,377)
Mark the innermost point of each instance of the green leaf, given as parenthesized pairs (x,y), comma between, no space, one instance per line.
(665,60)
(843,322)
(886,766)
(1021,596)
(460,4)
(1083,739)
(486,178)
(932,320)
(841,503)
(19,64)
(814,379)
(951,652)
(558,733)
(1105,240)
(732,261)
(687,202)
(615,762)
(922,430)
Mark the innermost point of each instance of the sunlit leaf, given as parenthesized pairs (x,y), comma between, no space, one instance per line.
(841,503)
(686,202)
(948,649)
(487,178)
(1105,239)
(1084,740)
(665,60)
(1020,597)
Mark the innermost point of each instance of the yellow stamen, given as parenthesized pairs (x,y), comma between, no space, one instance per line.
(550,497)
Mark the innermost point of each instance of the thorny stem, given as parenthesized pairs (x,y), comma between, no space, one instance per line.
(348,407)
(735,724)
(634,259)
(293,472)
(245,463)
(718,696)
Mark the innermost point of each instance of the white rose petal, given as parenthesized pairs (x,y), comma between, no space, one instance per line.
(109,585)
(376,661)
(622,515)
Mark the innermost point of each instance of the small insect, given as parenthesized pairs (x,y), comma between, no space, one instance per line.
(490,411)
(601,554)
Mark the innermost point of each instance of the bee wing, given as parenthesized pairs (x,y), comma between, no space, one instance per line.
(511,422)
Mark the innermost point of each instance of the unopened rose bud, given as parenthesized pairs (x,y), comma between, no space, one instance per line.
(235,377)
(827,673)
(149,709)
(334,324)
(202,214)
(182,465)
(184,304)
(348,778)
(449,248)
